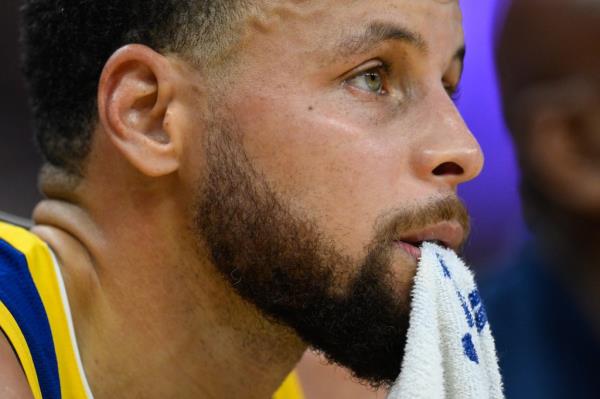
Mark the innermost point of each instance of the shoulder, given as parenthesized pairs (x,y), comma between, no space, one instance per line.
(13,383)
(19,247)
(15,244)
(15,220)
(32,315)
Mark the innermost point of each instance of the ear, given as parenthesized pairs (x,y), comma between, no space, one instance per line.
(134,94)
(563,148)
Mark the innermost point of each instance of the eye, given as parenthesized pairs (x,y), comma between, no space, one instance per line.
(371,81)
(453,92)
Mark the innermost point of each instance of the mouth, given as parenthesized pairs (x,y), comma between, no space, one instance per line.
(447,234)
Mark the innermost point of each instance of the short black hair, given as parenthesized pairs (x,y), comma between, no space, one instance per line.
(67,42)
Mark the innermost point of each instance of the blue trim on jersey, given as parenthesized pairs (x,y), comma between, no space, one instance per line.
(20,296)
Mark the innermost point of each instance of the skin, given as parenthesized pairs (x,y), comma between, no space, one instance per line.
(13,384)
(153,317)
(552,103)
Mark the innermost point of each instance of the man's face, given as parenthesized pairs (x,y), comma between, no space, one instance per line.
(333,146)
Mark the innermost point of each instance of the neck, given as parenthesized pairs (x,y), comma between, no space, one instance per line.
(153,317)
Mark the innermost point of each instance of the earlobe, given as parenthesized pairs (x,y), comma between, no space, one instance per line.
(134,96)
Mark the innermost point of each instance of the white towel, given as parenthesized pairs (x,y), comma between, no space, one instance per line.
(450,351)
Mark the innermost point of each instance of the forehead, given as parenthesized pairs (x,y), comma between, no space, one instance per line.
(344,8)
(321,21)
(297,35)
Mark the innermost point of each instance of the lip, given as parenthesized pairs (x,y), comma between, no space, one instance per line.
(449,233)
(413,251)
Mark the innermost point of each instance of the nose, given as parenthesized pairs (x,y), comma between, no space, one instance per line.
(448,153)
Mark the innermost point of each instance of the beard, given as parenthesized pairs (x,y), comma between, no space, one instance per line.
(355,312)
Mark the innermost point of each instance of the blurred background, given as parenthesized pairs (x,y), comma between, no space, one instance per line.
(493,201)
(492,198)
(19,161)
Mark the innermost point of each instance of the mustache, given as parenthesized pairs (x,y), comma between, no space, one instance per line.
(396,223)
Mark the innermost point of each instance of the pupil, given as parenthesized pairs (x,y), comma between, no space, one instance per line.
(373,81)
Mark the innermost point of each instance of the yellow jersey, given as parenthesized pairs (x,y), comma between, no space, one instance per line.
(36,319)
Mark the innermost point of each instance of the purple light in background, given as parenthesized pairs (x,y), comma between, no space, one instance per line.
(492,198)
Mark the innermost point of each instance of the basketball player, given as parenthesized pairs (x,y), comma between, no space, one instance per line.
(228,183)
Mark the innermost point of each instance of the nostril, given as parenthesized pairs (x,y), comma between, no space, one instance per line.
(448,168)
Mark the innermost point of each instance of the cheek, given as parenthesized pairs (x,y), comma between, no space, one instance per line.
(328,166)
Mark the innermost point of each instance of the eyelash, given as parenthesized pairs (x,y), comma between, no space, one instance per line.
(382,69)
(454,92)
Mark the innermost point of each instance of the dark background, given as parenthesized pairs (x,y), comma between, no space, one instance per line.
(19,161)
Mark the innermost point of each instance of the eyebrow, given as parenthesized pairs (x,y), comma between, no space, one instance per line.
(376,33)
(379,32)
